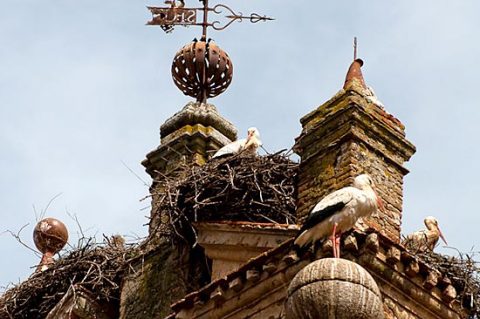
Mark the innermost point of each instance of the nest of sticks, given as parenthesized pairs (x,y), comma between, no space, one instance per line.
(97,268)
(463,272)
(234,188)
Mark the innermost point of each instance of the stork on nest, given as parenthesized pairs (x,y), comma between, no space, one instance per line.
(426,239)
(247,145)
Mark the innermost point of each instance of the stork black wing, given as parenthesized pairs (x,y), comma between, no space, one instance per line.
(321,215)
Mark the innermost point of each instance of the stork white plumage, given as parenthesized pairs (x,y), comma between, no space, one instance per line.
(372,97)
(248,145)
(425,239)
(338,212)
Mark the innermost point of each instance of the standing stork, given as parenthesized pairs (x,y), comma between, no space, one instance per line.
(338,212)
(426,239)
(248,145)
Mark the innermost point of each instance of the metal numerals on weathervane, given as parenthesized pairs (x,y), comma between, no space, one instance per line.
(200,69)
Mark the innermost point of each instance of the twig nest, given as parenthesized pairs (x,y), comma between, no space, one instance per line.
(333,288)
(50,235)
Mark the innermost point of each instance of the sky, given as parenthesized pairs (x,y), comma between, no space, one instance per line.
(85,86)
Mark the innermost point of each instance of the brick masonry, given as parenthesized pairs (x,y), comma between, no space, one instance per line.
(346,136)
(170,272)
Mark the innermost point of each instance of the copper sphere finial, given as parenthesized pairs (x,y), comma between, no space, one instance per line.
(202,70)
(50,236)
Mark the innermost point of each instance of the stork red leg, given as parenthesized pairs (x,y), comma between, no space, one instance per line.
(334,240)
(337,244)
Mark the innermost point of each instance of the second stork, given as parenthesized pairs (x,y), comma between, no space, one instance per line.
(338,212)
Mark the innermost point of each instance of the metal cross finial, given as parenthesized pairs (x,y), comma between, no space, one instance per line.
(200,69)
(178,14)
(354,48)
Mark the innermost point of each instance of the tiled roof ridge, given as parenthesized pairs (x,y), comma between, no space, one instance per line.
(357,240)
(234,274)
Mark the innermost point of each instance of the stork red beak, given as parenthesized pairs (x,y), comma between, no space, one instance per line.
(441,236)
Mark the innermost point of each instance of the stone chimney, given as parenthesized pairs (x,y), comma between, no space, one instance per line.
(348,135)
(188,137)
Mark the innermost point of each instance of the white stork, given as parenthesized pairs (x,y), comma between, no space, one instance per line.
(425,239)
(248,145)
(338,212)
(372,97)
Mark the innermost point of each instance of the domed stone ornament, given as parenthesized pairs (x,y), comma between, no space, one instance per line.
(333,288)
(50,236)
(202,70)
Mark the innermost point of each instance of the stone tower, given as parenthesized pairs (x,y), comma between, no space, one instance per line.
(169,271)
(348,135)
(187,138)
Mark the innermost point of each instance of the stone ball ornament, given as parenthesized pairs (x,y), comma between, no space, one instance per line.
(333,288)
(201,69)
(50,236)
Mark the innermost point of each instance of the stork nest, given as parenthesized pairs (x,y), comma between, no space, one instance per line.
(463,272)
(98,268)
(234,188)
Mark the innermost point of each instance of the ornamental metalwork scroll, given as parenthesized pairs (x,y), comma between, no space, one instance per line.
(177,14)
(200,69)
(173,16)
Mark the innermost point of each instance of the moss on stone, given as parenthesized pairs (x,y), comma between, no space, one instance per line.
(157,283)
(160,279)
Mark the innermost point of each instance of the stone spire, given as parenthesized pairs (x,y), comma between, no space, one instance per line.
(348,135)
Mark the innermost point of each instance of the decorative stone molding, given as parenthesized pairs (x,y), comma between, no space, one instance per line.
(231,244)
(189,136)
(264,295)
(199,113)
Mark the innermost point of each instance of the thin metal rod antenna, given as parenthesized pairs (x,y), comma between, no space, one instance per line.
(205,19)
(354,48)
(203,94)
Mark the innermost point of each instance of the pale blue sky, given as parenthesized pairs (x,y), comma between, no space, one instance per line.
(84,86)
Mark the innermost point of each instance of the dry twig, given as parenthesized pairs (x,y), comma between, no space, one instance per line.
(236,188)
(464,273)
(98,268)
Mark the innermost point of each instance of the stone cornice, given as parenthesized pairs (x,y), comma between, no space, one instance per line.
(388,262)
(329,122)
(198,113)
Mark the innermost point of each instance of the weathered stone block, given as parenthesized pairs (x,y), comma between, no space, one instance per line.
(156,282)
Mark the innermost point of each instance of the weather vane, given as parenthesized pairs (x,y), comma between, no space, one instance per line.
(200,69)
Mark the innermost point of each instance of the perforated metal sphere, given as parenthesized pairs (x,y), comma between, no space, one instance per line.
(50,235)
(333,288)
(199,61)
